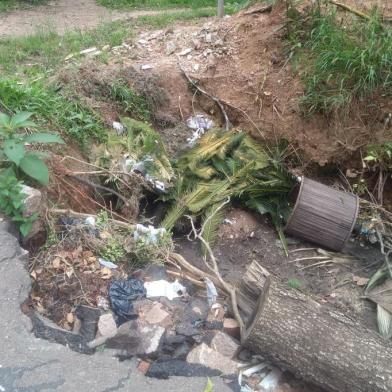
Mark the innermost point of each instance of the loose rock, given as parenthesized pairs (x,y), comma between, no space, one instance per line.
(225,345)
(206,356)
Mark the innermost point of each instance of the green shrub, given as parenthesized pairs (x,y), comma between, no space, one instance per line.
(12,201)
(53,110)
(13,146)
(340,63)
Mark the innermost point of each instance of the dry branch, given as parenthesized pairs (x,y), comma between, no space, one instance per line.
(212,97)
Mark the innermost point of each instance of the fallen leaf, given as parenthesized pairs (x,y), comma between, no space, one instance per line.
(56,263)
(360,281)
(88,253)
(77,252)
(33,274)
(69,272)
(351,173)
(104,235)
(382,295)
(106,273)
(70,318)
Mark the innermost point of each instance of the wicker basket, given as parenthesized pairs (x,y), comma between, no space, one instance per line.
(323,215)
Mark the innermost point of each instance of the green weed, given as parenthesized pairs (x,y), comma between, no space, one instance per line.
(294,283)
(9,5)
(12,201)
(129,4)
(340,63)
(130,101)
(43,52)
(46,50)
(53,110)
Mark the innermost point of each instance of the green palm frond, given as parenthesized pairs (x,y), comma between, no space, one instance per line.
(212,219)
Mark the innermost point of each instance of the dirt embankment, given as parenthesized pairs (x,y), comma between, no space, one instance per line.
(243,61)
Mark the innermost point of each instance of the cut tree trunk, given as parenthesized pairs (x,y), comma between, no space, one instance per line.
(312,340)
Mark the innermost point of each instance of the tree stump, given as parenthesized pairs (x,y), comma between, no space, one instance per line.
(312,340)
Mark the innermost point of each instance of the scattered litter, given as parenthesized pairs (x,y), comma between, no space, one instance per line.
(163,288)
(200,123)
(212,294)
(228,221)
(102,302)
(145,67)
(254,369)
(118,127)
(149,235)
(69,57)
(142,42)
(122,293)
(2,389)
(88,50)
(90,220)
(271,381)
(185,52)
(107,264)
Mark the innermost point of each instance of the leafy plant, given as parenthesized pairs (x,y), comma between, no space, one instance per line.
(13,145)
(54,109)
(294,283)
(132,103)
(341,62)
(12,201)
(113,250)
(228,165)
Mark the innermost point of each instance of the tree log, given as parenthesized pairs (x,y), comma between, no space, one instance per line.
(312,340)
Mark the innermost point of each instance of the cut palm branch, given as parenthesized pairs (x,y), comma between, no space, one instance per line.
(229,165)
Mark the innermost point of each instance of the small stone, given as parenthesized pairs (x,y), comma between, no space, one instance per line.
(106,48)
(143,367)
(32,201)
(203,355)
(135,338)
(145,67)
(156,315)
(196,44)
(196,67)
(171,47)
(106,325)
(231,327)
(225,344)
(142,42)
(185,52)
(208,38)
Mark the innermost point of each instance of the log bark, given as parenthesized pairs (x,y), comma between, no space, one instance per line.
(312,340)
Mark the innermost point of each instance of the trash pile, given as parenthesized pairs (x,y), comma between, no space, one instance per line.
(174,327)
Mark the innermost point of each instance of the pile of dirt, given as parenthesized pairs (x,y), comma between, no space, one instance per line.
(243,61)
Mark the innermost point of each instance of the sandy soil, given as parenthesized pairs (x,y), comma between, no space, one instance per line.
(61,16)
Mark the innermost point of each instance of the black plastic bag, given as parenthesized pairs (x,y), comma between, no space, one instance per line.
(122,293)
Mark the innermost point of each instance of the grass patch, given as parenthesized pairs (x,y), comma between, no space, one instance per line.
(132,4)
(46,50)
(340,63)
(53,110)
(130,101)
(9,5)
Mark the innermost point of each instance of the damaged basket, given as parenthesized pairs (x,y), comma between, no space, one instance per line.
(323,215)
